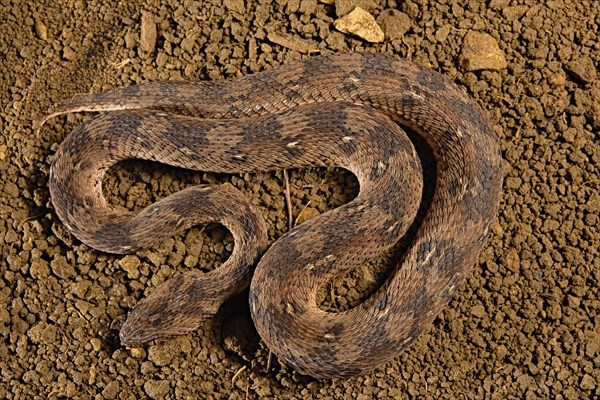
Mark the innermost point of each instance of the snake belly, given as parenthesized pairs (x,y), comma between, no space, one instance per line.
(342,110)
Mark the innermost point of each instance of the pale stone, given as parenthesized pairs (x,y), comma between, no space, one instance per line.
(361,24)
(481,51)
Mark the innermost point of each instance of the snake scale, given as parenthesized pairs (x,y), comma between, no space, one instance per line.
(343,110)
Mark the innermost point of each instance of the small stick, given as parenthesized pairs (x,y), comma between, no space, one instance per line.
(288,205)
(237,374)
(288,200)
(269,360)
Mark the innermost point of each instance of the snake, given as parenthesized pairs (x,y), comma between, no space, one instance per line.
(346,110)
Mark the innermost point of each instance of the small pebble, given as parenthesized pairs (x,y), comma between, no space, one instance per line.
(582,69)
(557,79)
(235,6)
(137,352)
(480,51)
(69,53)
(41,30)
(148,33)
(156,389)
(588,382)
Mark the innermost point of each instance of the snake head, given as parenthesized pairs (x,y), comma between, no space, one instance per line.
(176,307)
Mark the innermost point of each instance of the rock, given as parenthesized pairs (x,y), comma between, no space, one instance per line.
(41,30)
(582,69)
(69,53)
(515,12)
(480,51)
(111,391)
(137,352)
(498,4)
(478,311)
(156,389)
(394,23)
(360,23)
(235,6)
(307,6)
(512,259)
(130,40)
(148,33)
(162,354)
(557,79)
(587,382)
(131,264)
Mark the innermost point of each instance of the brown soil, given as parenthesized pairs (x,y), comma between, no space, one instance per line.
(525,325)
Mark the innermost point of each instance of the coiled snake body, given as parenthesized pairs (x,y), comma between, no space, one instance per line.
(337,110)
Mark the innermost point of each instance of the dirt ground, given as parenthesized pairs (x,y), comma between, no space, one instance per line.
(525,325)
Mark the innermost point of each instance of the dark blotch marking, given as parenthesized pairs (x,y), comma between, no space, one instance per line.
(126,121)
(328,121)
(446,260)
(296,152)
(80,137)
(292,95)
(348,147)
(431,79)
(115,232)
(88,201)
(382,302)
(349,370)
(351,227)
(390,204)
(375,172)
(335,116)
(454,187)
(421,299)
(290,257)
(235,155)
(389,145)
(84,165)
(131,91)
(184,134)
(473,115)
(314,67)
(423,254)
(146,141)
(377,340)
(349,85)
(409,102)
(453,256)
(327,362)
(420,302)
(296,308)
(488,173)
(337,329)
(168,89)
(163,311)
(375,64)
(326,356)
(264,130)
